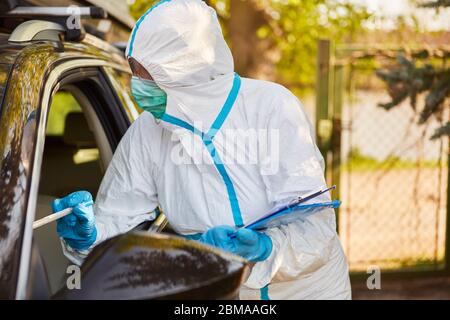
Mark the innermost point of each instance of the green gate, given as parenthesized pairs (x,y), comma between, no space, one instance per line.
(392,179)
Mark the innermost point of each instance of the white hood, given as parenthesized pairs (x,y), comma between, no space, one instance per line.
(180,43)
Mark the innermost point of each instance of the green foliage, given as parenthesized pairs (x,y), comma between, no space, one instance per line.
(63,103)
(358,161)
(442,131)
(139,7)
(408,78)
(294,26)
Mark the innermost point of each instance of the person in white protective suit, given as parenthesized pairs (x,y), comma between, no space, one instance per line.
(176,156)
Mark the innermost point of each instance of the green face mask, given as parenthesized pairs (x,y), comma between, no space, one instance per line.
(149,96)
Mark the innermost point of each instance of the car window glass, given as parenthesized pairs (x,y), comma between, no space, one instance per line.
(70,163)
(63,103)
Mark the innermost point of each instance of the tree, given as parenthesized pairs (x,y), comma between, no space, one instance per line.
(410,76)
(276,39)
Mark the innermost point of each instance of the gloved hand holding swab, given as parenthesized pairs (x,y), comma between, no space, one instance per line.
(57,215)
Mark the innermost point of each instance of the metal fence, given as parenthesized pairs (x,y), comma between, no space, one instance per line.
(392,179)
(393,185)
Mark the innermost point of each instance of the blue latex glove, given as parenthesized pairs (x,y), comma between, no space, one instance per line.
(251,245)
(78,228)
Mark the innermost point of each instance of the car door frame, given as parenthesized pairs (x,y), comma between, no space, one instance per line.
(51,85)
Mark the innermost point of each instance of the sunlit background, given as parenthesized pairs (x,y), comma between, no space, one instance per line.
(376,108)
(373,76)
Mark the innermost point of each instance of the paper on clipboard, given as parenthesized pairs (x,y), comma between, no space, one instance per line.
(291,214)
(294,211)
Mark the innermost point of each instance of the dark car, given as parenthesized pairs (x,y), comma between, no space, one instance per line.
(64,107)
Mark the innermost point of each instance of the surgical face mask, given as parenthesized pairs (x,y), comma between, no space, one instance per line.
(149,96)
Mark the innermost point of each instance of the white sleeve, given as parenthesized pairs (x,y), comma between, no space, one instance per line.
(303,246)
(127,195)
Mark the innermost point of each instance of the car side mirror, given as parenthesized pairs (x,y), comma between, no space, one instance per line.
(142,265)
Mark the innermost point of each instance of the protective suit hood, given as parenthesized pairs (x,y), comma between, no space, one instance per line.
(180,43)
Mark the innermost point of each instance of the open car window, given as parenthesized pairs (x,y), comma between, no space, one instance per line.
(71,162)
(86,119)
(71,159)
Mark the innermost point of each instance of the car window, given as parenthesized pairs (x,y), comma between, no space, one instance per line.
(63,103)
(71,162)
(70,150)
(85,122)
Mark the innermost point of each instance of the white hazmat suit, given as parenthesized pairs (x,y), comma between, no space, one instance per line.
(218,178)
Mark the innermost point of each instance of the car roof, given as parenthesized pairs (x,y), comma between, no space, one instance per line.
(104,50)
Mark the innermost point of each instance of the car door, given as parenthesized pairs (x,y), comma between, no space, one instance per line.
(83,116)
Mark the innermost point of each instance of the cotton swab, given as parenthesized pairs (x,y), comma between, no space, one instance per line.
(56,216)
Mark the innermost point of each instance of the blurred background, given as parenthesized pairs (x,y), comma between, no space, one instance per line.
(373,76)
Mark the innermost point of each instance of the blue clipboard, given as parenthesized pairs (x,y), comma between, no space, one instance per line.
(292,212)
